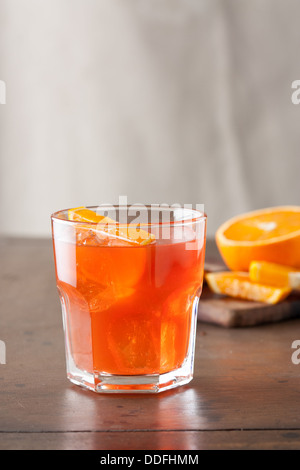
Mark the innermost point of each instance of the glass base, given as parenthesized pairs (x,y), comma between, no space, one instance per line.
(106,383)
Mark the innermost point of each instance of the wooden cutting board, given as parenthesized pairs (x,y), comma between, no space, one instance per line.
(230,313)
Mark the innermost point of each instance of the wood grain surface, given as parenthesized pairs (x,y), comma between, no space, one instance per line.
(245,392)
(232,313)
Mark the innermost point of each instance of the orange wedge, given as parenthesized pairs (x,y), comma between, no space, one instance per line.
(81,214)
(271,235)
(274,274)
(239,285)
(106,227)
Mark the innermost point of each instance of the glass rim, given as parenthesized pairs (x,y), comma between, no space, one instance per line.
(198,215)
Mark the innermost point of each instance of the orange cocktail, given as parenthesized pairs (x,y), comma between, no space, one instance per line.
(129,298)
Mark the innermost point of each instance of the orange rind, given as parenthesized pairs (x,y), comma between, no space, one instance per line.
(274,274)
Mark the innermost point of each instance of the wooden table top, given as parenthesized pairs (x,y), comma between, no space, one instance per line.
(245,393)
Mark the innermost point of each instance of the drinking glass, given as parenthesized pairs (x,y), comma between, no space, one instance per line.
(129,300)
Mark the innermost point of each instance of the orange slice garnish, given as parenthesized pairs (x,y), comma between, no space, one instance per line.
(239,285)
(81,214)
(274,274)
(107,227)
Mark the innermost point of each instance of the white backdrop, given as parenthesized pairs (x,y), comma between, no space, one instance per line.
(164,101)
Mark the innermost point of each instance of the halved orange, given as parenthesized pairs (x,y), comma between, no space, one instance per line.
(271,234)
(107,227)
(274,274)
(239,285)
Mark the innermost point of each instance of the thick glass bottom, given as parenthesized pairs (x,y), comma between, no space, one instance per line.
(106,383)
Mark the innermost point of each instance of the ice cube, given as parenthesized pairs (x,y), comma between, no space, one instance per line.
(135,346)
